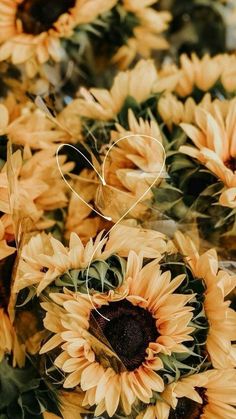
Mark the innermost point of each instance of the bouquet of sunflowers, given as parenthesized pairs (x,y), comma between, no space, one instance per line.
(117,209)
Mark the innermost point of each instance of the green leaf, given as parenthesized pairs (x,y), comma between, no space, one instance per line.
(24,394)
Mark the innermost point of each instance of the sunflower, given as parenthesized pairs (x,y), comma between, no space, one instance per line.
(228,64)
(214,389)
(30,126)
(137,154)
(201,73)
(168,76)
(207,395)
(31,31)
(146,34)
(44,168)
(194,72)
(44,259)
(29,181)
(149,319)
(221,318)
(104,105)
(213,136)
(174,111)
(31,192)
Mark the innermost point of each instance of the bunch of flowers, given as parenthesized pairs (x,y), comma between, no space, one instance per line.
(58,43)
(190,109)
(129,324)
(117,209)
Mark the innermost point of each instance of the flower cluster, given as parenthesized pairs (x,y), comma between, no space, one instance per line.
(117,209)
(128,319)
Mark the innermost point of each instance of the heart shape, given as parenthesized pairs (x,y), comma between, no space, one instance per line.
(101,175)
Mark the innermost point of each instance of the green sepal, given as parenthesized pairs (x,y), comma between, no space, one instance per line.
(101,276)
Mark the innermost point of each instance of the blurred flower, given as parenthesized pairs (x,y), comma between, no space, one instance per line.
(104,105)
(228,64)
(168,76)
(32,127)
(8,340)
(31,186)
(201,73)
(173,111)
(31,30)
(215,146)
(146,35)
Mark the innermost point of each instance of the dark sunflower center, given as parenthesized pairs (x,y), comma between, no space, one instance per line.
(129,331)
(38,16)
(231,164)
(188,409)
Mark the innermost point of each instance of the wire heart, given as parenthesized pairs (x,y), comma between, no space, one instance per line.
(101,175)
